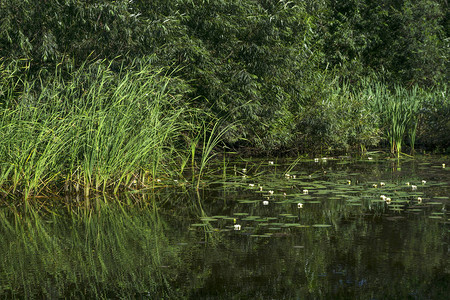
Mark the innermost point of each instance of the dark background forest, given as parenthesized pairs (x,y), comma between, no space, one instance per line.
(291,76)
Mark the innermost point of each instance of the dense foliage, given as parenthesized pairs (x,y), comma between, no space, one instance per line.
(289,73)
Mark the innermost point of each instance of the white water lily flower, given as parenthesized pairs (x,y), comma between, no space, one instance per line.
(424,181)
(382,184)
(265,202)
(388,200)
(316,159)
(383,197)
(237,227)
(305,191)
(251,185)
(300,205)
(414,187)
(374,185)
(419,200)
(270,162)
(407,183)
(270,192)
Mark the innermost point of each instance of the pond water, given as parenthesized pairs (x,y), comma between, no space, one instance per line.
(257,229)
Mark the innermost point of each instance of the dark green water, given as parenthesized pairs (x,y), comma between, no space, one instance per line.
(345,242)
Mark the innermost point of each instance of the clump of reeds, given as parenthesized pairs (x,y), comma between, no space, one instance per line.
(87,129)
(398,110)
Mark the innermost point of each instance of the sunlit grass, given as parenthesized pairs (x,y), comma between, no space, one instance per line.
(94,131)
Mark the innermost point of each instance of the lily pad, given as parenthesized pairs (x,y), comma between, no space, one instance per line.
(241,214)
(199,225)
(207,219)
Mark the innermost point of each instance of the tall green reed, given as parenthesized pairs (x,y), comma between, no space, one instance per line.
(126,129)
(209,135)
(92,128)
(398,110)
(97,128)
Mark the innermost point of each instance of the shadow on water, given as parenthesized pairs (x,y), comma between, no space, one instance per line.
(343,241)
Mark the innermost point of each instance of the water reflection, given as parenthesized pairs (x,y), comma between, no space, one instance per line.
(345,242)
(106,250)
